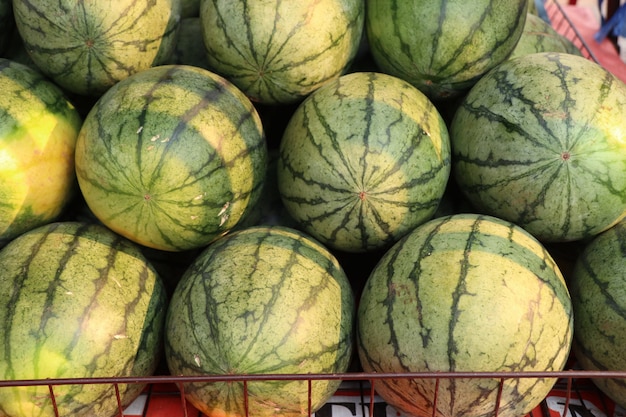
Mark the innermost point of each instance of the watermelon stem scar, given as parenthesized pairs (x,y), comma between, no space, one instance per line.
(565,156)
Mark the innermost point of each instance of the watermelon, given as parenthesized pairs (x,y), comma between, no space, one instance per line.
(442,47)
(598,289)
(465,293)
(76,301)
(38,131)
(540,36)
(87,46)
(263,300)
(171,157)
(279,52)
(539,141)
(363,160)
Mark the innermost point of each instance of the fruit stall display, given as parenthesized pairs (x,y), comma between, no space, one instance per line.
(324,207)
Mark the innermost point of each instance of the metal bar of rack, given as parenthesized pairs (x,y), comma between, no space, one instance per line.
(368,380)
(562,23)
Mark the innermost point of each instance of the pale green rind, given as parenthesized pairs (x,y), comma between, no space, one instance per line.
(78,301)
(598,288)
(261,300)
(465,293)
(171,157)
(442,47)
(363,160)
(88,46)
(540,141)
(278,52)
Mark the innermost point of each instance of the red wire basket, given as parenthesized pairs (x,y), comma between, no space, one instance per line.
(561,22)
(567,382)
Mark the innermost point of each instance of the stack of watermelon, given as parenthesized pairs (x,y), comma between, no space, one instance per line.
(219,184)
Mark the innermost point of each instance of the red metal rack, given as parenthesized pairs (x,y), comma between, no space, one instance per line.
(573,389)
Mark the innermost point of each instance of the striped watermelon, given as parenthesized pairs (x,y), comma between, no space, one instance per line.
(465,293)
(264,300)
(598,288)
(443,47)
(77,301)
(540,36)
(38,131)
(171,157)
(539,141)
(278,52)
(87,46)
(363,160)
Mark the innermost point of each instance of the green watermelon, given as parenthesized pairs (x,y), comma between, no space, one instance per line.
(539,141)
(442,47)
(171,157)
(38,131)
(363,160)
(76,301)
(465,293)
(598,289)
(87,46)
(279,52)
(264,300)
(540,36)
